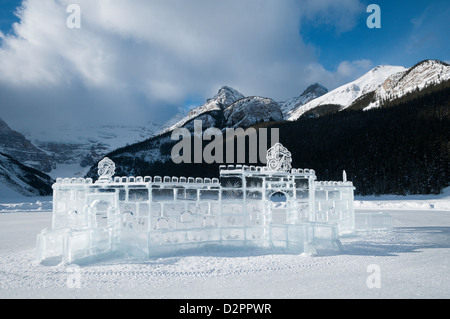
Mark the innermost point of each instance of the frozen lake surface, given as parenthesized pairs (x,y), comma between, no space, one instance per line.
(413,262)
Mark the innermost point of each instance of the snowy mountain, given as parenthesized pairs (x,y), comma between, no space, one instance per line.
(348,93)
(251,110)
(229,108)
(60,152)
(383,83)
(311,93)
(418,77)
(223,99)
(19,147)
(18,180)
(69,151)
(74,149)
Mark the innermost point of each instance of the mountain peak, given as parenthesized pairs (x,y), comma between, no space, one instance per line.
(315,88)
(227,96)
(430,62)
(4,126)
(312,92)
(346,94)
(227,88)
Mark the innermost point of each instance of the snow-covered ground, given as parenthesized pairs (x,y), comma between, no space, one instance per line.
(411,202)
(412,261)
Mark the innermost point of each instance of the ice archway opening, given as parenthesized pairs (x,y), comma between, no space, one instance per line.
(278,202)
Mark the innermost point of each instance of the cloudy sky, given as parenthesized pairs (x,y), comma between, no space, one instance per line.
(135,61)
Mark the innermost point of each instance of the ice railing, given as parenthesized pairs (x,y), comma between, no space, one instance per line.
(264,169)
(318,184)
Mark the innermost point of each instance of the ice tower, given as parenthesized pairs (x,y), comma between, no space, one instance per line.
(273,207)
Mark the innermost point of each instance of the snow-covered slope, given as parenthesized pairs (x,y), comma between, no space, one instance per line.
(418,77)
(230,108)
(311,93)
(347,94)
(18,180)
(251,110)
(19,147)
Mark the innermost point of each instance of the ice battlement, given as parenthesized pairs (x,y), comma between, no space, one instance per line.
(337,184)
(265,169)
(271,207)
(136,180)
(73,181)
(191,180)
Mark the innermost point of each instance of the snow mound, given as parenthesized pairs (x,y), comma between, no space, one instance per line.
(40,205)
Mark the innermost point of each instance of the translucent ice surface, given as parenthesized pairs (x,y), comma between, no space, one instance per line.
(273,207)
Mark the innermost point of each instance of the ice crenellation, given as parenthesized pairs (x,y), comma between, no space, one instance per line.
(189,180)
(273,207)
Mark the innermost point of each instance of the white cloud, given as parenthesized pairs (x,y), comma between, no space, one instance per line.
(342,15)
(345,72)
(348,69)
(142,59)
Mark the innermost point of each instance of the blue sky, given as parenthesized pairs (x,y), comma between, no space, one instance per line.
(411,31)
(144,60)
(7,17)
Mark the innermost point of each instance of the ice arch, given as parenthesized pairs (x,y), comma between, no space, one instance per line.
(278,202)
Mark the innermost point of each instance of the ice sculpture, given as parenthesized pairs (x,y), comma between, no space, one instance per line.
(271,207)
(279,159)
(106,170)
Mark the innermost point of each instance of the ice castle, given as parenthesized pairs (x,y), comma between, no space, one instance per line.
(271,207)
